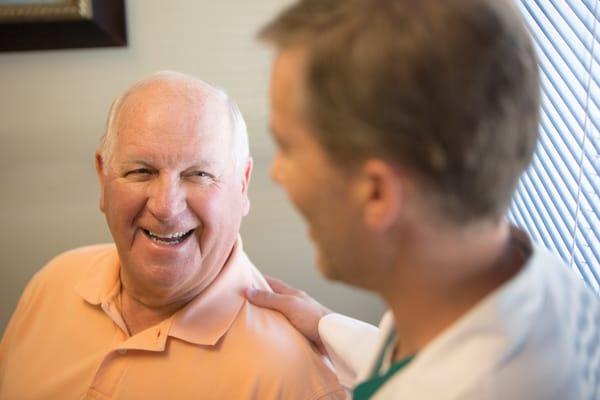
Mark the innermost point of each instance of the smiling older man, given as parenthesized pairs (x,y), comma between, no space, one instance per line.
(161,313)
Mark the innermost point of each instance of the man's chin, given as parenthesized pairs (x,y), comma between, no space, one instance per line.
(326,268)
(340,273)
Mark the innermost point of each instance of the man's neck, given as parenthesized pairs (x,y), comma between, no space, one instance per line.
(435,286)
(139,316)
(142,308)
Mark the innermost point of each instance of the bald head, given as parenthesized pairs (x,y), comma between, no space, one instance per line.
(206,100)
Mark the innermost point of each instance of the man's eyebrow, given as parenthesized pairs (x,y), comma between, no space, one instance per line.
(200,163)
(203,163)
(138,162)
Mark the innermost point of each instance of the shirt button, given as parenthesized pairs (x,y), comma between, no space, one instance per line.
(122,351)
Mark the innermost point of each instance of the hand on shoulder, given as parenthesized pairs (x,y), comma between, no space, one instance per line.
(303,312)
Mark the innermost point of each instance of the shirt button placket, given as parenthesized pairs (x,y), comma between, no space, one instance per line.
(109,374)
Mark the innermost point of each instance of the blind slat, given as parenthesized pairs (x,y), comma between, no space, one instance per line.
(558,198)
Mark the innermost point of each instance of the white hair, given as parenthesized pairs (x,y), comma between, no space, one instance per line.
(239,135)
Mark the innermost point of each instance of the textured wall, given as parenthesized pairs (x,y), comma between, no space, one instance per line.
(53,106)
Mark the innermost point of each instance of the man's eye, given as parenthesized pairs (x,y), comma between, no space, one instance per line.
(201,174)
(139,172)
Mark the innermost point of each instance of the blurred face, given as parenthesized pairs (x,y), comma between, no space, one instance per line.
(320,190)
(170,193)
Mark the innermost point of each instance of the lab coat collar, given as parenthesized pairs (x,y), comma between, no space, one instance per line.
(495,329)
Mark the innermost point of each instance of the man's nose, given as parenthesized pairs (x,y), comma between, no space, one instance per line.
(166,197)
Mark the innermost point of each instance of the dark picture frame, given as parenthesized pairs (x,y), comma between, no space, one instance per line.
(62,24)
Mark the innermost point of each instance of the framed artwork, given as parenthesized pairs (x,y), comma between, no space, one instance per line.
(61,24)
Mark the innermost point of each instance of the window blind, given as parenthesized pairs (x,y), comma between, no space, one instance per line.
(558,198)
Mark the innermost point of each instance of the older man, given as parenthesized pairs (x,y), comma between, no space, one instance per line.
(161,314)
(403,127)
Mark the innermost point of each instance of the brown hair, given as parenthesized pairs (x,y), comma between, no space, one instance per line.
(449,89)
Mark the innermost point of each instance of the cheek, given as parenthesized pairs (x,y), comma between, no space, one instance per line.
(294,187)
(123,203)
(307,192)
(216,207)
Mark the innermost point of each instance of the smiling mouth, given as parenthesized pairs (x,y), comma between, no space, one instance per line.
(170,239)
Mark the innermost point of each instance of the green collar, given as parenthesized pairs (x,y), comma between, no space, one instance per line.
(368,388)
(365,390)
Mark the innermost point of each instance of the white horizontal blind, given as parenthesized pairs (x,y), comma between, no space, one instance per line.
(558,199)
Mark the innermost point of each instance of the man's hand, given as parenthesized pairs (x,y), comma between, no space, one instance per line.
(299,308)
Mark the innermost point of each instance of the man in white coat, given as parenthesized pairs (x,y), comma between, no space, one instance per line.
(402,128)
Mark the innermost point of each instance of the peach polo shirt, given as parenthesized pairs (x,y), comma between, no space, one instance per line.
(66,340)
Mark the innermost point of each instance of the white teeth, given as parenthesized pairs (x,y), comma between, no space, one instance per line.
(175,235)
(170,239)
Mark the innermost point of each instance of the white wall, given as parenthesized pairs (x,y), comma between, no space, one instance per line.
(53,106)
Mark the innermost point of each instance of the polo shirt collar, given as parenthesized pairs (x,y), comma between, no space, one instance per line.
(209,316)
(101,280)
(205,319)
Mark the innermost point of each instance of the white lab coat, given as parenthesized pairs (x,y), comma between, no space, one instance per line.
(536,337)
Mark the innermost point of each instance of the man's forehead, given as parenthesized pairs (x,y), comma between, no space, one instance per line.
(161,153)
(289,65)
(181,138)
(176,106)
(176,94)
(167,130)
(288,89)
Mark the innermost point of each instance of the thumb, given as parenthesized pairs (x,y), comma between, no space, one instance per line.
(266,299)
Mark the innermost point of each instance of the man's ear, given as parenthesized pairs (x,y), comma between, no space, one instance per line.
(101,178)
(246,176)
(381,194)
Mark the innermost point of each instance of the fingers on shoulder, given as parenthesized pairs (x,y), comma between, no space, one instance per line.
(281,287)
